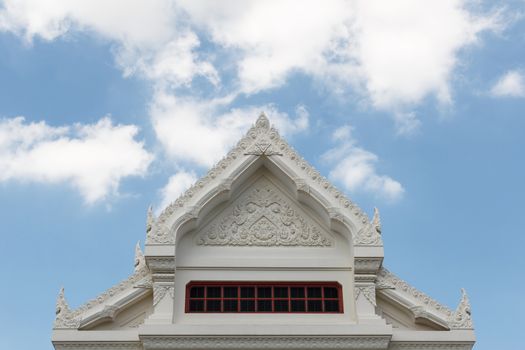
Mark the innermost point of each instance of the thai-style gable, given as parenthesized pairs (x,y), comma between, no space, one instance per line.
(262,219)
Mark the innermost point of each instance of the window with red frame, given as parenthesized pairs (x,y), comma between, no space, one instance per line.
(259,297)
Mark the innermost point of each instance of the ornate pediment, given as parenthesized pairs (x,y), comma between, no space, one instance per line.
(261,140)
(263,216)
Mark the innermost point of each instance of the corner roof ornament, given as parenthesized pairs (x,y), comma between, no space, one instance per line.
(376,221)
(461,318)
(65,318)
(140,261)
(150,219)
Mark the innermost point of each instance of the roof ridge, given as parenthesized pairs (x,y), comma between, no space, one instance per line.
(262,131)
(387,279)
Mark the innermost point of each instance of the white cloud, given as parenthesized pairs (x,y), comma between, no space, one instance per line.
(94,158)
(112,19)
(176,185)
(511,84)
(273,37)
(393,53)
(407,123)
(199,132)
(355,168)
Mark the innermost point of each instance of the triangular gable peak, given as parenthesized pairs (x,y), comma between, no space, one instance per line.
(262,141)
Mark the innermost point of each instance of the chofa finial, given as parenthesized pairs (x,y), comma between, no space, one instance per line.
(140,261)
(64,316)
(376,221)
(150,219)
(461,318)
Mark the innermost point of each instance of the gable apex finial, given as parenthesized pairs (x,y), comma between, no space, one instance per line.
(263,122)
(61,306)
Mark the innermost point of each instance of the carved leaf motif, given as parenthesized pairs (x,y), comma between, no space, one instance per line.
(263,217)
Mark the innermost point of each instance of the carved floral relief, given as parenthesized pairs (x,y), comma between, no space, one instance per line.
(263,217)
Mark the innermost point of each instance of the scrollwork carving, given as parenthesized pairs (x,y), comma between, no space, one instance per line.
(160,291)
(368,292)
(263,217)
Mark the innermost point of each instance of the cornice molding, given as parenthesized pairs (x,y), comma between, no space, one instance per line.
(429,346)
(98,346)
(265,342)
(161,263)
(367,265)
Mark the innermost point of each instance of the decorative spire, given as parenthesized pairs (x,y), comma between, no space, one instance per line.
(62,308)
(376,221)
(263,122)
(263,145)
(64,317)
(150,220)
(461,318)
(140,261)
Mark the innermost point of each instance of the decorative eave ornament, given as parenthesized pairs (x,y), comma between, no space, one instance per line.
(376,221)
(64,317)
(261,140)
(140,261)
(150,219)
(461,318)
(387,280)
(141,278)
(370,233)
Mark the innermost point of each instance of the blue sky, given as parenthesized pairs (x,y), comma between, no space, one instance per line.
(416,108)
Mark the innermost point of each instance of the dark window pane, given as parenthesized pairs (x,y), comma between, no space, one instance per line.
(297,292)
(264,292)
(247,305)
(281,306)
(213,292)
(331,306)
(213,305)
(263,297)
(197,292)
(280,292)
(264,305)
(298,305)
(330,292)
(196,305)
(314,306)
(314,292)
(230,305)
(247,292)
(230,292)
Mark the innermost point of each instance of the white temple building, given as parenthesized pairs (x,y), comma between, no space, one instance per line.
(262,253)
